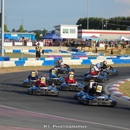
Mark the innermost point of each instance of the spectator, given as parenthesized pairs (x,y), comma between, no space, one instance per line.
(111,51)
(38,51)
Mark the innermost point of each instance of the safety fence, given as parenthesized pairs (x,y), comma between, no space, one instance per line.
(13,62)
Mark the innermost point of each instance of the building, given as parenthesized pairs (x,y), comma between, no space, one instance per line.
(67,31)
(103,34)
(17,35)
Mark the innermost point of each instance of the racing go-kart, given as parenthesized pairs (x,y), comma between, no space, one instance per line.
(54,79)
(71,85)
(65,69)
(102,77)
(30,82)
(110,71)
(49,90)
(103,100)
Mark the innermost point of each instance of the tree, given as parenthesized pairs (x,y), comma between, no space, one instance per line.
(5,28)
(21,29)
(37,34)
(13,30)
(44,32)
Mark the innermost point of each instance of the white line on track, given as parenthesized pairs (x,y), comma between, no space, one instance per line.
(69,119)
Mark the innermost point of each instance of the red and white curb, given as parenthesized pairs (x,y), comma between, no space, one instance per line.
(114,90)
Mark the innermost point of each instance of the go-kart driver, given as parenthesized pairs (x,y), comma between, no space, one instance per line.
(105,66)
(41,82)
(70,78)
(96,89)
(89,85)
(33,75)
(96,70)
(58,63)
(54,73)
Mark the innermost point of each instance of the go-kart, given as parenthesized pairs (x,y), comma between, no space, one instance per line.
(28,83)
(63,70)
(103,100)
(49,90)
(55,78)
(111,71)
(102,77)
(71,86)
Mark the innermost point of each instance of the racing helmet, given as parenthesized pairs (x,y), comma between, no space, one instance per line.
(71,72)
(98,65)
(105,62)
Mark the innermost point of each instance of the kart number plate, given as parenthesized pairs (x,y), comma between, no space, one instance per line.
(99,88)
(33,74)
(43,79)
(71,77)
(53,71)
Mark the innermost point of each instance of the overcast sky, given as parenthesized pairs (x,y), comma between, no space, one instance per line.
(40,14)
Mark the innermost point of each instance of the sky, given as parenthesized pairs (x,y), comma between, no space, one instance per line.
(45,14)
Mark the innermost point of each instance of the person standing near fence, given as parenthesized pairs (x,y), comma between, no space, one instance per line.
(38,51)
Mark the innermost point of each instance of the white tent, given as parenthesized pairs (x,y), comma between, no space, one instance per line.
(122,37)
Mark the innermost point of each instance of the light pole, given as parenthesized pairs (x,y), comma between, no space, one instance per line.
(2,28)
(87,14)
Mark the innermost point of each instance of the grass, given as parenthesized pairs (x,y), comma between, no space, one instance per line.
(125,88)
(19,55)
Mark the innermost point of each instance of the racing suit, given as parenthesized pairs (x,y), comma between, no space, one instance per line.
(41,82)
(68,79)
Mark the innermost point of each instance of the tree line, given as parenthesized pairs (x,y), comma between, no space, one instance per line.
(115,23)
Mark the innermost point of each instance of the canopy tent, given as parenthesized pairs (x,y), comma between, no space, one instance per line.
(123,38)
(51,36)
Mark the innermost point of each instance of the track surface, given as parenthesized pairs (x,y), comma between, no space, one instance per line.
(20,111)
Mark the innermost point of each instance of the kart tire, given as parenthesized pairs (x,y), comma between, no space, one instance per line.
(72,70)
(25,84)
(117,73)
(75,97)
(62,89)
(57,94)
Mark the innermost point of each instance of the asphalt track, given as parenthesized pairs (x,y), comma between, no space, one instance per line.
(20,111)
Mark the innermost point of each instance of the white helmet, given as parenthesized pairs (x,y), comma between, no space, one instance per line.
(98,65)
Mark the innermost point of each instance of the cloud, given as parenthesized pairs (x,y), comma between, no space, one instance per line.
(124,1)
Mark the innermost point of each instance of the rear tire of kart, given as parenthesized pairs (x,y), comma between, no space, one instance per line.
(57,94)
(117,73)
(72,70)
(75,97)
(61,88)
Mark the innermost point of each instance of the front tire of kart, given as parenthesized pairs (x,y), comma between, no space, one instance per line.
(25,84)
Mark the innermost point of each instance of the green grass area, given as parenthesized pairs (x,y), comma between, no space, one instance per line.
(125,88)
